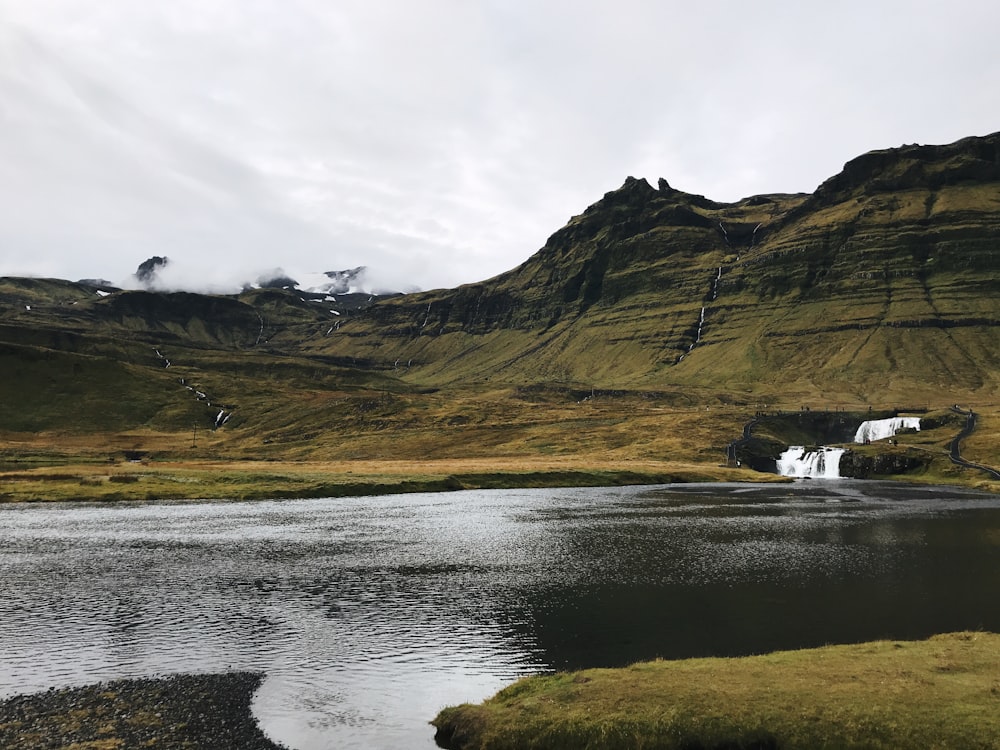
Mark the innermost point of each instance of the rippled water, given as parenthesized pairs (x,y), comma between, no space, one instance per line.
(370,614)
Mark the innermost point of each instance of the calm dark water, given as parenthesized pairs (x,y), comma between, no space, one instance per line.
(370,614)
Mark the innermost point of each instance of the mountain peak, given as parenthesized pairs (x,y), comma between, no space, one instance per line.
(913,165)
(633,190)
(147,271)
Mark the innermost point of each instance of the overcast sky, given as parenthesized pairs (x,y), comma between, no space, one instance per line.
(439,141)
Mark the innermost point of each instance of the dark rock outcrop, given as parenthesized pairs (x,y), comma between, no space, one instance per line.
(864,466)
(102,284)
(277,279)
(916,166)
(147,271)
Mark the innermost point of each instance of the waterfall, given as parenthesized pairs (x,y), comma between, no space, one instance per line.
(697,337)
(715,284)
(879,429)
(823,463)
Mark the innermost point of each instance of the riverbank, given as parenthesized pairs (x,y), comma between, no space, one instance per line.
(257,480)
(942,692)
(183,711)
(44,479)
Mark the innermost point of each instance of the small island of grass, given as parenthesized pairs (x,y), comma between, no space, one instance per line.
(943,692)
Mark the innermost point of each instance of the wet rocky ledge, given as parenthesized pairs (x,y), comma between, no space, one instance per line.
(182,711)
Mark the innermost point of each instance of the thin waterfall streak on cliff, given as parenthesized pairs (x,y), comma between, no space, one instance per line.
(697,335)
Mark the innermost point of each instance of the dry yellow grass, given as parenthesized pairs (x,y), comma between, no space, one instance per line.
(496,438)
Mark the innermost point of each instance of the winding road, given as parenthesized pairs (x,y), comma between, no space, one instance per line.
(955,450)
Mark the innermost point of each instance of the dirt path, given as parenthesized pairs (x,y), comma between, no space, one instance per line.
(956,444)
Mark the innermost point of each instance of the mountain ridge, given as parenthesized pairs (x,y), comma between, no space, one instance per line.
(900,239)
(879,287)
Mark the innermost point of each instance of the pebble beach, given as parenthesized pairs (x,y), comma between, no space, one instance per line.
(182,711)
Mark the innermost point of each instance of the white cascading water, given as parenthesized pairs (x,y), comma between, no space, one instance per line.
(823,463)
(879,429)
(701,325)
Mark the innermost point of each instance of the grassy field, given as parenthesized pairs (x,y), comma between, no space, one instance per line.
(50,479)
(940,693)
(427,442)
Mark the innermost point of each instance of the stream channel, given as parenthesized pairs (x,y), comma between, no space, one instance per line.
(368,615)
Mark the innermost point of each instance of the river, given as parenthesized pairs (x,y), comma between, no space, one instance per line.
(368,615)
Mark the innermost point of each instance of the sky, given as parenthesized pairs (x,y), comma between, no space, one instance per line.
(438,142)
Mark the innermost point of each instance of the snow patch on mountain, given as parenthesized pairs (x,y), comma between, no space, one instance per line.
(351,281)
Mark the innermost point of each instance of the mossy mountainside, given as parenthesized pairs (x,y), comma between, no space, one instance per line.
(611,340)
(883,281)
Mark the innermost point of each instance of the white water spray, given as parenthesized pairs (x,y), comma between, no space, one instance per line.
(697,337)
(879,429)
(715,284)
(823,463)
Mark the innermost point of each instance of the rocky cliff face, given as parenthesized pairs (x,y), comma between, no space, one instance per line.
(858,466)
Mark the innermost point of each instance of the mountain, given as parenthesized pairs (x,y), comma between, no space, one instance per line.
(881,284)
(880,287)
(148,271)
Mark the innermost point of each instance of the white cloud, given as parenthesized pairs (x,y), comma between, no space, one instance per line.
(438,142)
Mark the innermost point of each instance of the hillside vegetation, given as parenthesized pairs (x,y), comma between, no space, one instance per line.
(640,338)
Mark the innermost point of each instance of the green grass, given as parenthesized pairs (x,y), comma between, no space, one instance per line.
(940,693)
(246,480)
(314,443)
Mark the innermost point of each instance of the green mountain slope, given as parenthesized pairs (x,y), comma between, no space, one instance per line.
(881,287)
(882,284)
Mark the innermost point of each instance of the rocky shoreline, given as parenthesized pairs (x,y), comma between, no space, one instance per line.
(182,711)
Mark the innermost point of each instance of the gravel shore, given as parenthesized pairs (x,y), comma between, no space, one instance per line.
(184,711)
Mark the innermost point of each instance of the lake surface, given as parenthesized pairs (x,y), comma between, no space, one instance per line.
(368,615)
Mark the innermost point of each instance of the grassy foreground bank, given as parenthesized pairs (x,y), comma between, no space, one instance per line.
(940,693)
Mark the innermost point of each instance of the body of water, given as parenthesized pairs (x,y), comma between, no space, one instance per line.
(368,615)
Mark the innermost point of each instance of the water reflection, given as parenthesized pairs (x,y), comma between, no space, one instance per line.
(699,571)
(370,614)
